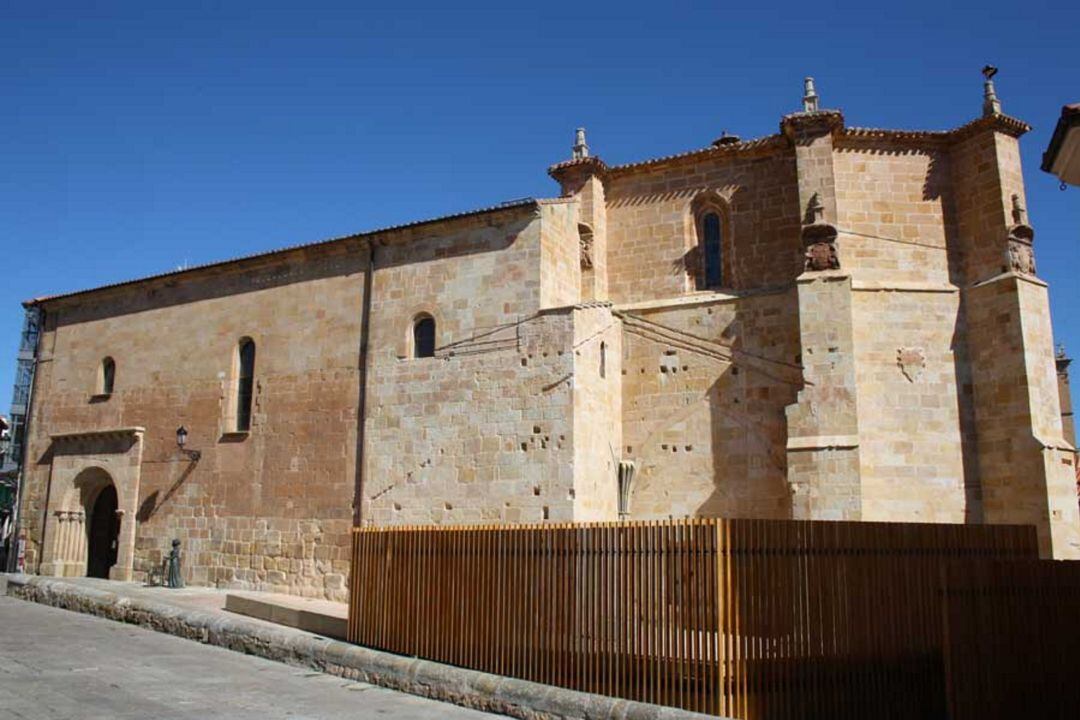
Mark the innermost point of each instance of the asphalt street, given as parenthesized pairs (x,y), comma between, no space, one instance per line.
(56,664)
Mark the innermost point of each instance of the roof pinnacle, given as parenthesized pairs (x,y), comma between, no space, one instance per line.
(581,150)
(991,104)
(810,96)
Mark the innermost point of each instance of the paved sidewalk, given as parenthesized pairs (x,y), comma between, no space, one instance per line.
(60,665)
(197,614)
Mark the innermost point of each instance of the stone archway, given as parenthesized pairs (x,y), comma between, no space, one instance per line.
(103,533)
(89,467)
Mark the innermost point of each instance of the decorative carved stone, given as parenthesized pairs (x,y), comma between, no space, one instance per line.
(912,362)
(821,256)
(1021,258)
(810,101)
(815,210)
(585,243)
(819,246)
(1021,253)
(581,148)
(991,104)
(1019,211)
(627,468)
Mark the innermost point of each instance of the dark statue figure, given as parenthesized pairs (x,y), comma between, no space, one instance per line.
(173,579)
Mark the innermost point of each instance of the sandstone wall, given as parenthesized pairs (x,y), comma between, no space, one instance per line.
(917,449)
(560,256)
(705,384)
(652,244)
(894,212)
(598,427)
(910,368)
(483,431)
(266,509)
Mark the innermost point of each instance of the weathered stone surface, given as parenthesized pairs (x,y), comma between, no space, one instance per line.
(789,391)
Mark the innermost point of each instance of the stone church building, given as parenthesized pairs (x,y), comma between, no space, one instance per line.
(829,322)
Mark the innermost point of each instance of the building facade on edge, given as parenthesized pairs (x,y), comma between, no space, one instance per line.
(830,322)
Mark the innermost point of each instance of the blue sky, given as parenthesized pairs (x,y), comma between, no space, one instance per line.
(136,138)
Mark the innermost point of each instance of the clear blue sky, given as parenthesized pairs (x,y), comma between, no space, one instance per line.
(134,138)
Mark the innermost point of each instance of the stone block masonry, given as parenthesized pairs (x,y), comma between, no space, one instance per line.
(878,347)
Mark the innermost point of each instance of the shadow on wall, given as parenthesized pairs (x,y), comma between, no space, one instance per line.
(726,405)
(689,266)
(965,396)
(748,451)
(150,505)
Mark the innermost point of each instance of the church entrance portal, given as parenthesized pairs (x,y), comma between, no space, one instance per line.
(104,534)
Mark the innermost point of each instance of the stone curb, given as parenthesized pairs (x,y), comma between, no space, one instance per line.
(468,688)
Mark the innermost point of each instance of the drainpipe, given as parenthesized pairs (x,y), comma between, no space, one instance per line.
(365,331)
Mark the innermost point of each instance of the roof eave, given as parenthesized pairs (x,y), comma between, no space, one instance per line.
(1069,119)
(365,235)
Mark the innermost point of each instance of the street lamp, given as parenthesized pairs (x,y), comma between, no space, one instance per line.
(181,441)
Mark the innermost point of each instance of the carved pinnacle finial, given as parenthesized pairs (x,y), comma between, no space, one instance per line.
(815,209)
(991,104)
(810,96)
(1019,212)
(581,150)
(1061,351)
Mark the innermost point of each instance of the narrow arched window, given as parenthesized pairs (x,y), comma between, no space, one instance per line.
(108,376)
(424,337)
(245,384)
(710,247)
(603,359)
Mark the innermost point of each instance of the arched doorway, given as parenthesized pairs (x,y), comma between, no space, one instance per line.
(104,534)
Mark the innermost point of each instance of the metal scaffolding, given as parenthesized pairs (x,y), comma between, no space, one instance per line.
(11,463)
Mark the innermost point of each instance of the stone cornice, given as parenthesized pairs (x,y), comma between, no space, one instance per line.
(817,122)
(107,434)
(578,166)
(1000,123)
(823,442)
(1010,275)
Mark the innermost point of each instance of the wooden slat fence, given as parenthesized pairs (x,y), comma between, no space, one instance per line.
(1012,640)
(741,618)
